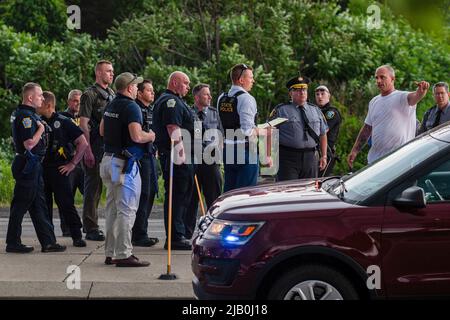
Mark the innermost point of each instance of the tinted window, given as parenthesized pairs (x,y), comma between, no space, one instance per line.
(370,179)
(436,183)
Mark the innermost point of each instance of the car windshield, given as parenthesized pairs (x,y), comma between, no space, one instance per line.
(366,182)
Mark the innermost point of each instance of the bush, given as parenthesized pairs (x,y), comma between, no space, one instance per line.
(7,185)
(58,67)
(44,18)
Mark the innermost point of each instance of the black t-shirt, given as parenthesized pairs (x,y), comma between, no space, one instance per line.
(171,109)
(119,113)
(24,125)
(61,140)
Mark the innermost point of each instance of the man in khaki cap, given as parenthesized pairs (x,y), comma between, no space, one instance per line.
(121,128)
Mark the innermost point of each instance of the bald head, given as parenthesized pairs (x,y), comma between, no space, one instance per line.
(178,83)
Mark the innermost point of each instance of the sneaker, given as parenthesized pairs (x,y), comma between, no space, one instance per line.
(55,247)
(19,248)
(96,235)
(131,261)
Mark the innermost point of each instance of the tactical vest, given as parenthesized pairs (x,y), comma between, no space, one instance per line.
(102,99)
(147,118)
(228,111)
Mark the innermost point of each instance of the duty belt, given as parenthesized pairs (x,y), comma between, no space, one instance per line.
(297,149)
(115,155)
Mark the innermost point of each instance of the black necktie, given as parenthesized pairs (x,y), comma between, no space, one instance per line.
(438,118)
(304,123)
(201,115)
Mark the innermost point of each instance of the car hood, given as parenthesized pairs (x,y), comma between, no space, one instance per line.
(296,195)
(441,132)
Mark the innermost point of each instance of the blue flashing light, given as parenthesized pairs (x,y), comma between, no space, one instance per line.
(231,238)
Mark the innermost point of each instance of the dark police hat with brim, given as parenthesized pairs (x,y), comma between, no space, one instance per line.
(298,82)
(125,79)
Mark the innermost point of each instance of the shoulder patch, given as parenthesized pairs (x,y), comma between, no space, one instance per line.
(171,103)
(26,122)
(57,124)
(330,115)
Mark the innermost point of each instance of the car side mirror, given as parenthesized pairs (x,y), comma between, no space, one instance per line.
(413,197)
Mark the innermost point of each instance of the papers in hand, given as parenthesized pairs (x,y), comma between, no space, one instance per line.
(273,123)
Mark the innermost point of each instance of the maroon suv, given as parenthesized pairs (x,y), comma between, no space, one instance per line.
(383,231)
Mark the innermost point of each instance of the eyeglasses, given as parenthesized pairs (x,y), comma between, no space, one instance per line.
(244,67)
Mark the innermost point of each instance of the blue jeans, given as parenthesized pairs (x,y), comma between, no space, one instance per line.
(240,175)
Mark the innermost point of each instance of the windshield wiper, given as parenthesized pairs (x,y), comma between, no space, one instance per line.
(343,189)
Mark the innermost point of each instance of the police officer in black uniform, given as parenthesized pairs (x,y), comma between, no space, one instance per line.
(72,112)
(207,169)
(170,115)
(66,149)
(30,143)
(302,135)
(148,170)
(76,177)
(334,120)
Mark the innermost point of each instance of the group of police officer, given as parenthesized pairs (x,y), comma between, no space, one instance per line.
(118,136)
(46,153)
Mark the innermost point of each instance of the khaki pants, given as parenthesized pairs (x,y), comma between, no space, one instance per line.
(122,201)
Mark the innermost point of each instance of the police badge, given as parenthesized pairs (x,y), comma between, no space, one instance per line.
(26,123)
(330,115)
(171,103)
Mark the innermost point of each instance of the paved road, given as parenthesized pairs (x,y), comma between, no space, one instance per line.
(44,275)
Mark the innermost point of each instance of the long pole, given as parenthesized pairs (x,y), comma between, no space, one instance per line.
(169,240)
(168,275)
(199,195)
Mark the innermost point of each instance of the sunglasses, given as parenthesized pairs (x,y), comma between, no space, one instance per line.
(134,78)
(244,67)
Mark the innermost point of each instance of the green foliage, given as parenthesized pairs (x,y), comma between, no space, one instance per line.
(7,185)
(328,41)
(44,18)
(58,67)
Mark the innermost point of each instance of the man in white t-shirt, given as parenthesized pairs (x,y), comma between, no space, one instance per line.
(391,119)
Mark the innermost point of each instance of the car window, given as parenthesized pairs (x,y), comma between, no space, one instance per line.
(436,183)
(374,177)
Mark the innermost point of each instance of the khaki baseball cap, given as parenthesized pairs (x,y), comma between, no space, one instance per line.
(123,80)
